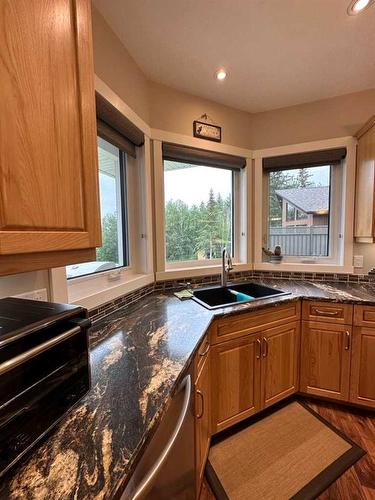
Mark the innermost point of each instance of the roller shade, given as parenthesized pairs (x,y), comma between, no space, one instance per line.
(306,159)
(115,128)
(195,156)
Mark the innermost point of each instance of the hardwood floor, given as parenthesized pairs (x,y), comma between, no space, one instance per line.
(358,482)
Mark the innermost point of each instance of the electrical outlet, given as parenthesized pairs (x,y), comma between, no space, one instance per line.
(40,294)
(358,261)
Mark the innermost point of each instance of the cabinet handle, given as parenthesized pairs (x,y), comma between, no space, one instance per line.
(200,394)
(326,313)
(348,340)
(265,348)
(206,350)
(259,349)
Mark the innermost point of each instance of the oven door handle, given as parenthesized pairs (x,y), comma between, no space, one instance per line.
(31,353)
(146,483)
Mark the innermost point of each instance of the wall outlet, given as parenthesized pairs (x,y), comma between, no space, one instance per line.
(358,261)
(40,294)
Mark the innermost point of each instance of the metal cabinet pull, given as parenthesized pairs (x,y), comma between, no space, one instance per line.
(206,350)
(146,483)
(200,394)
(265,347)
(259,349)
(326,313)
(348,340)
(31,353)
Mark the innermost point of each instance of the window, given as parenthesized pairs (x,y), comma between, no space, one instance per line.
(112,189)
(198,211)
(299,211)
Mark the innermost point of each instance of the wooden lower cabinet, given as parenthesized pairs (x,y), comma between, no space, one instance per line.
(325,359)
(362,378)
(202,419)
(235,381)
(280,354)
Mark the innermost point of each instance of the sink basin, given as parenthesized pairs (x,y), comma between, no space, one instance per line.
(221,296)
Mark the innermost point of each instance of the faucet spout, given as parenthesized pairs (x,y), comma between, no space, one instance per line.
(226,266)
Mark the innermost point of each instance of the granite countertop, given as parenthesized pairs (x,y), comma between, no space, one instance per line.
(138,356)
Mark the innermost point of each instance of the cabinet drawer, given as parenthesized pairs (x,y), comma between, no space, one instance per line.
(328,312)
(243,324)
(364,316)
(202,354)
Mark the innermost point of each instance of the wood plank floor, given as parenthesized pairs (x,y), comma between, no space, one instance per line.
(358,482)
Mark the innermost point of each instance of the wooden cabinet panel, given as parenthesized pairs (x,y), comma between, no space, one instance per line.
(244,324)
(325,360)
(48,169)
(203,419)
(362,381)
(280,351)
(329,312)
(364,316)
(202,353)
(235,391)
(365,177)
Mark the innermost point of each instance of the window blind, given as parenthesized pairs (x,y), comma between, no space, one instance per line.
(306,159)
(196,156)
(115,128)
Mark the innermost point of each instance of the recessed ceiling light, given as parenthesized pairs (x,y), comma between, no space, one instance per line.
(221,74)
(357,6)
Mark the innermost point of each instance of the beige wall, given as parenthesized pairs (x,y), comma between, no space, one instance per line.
(368,252)
(114,65)
(326,119)
(25,282)
(175,111)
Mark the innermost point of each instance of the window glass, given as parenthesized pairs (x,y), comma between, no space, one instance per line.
(112,191)
(198,211)
(299,211)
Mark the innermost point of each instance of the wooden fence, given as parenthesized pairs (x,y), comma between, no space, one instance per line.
(300,240)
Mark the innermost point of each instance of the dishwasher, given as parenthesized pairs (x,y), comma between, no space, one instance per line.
(166,469)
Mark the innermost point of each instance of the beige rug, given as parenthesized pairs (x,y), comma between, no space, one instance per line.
(291,453)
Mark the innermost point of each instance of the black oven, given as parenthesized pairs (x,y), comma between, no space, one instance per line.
(44,370)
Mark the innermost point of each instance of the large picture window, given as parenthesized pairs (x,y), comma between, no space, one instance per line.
(198,211)
(112,188)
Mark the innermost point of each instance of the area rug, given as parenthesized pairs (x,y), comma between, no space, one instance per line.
(292,453)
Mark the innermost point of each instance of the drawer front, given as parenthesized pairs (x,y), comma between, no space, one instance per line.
(364,316)
(329,312)
(243,324)
(202,354)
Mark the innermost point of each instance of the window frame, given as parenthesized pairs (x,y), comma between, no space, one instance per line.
(341,213)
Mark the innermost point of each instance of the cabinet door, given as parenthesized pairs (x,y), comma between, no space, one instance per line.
(235,387)
(280,351)
(325,360)
(202,419)
(48,168)
(362,379)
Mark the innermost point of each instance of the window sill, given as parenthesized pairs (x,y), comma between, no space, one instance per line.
(195,271)
(98,290)
(310,268)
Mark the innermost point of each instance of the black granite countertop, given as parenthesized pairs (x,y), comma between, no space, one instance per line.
(138,355)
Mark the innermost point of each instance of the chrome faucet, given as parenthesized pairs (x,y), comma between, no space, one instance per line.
(226,266)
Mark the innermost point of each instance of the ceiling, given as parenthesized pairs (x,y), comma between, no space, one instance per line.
(277,52)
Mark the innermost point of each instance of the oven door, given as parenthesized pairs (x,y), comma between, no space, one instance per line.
(42,375)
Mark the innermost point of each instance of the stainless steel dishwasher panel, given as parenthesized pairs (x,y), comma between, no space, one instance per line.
(166,470)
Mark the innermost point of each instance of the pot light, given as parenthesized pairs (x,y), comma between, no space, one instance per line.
(357,6)
(221,74)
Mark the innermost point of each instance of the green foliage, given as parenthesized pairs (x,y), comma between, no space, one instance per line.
(199,231)
(109,250)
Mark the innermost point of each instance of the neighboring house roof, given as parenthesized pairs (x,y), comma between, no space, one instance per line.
(310,200)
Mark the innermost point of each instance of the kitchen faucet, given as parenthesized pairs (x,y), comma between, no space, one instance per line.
(226,266)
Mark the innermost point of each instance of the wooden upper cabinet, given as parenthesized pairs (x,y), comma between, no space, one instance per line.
(364,226)
(325,359)
(280,356)
(48,154)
